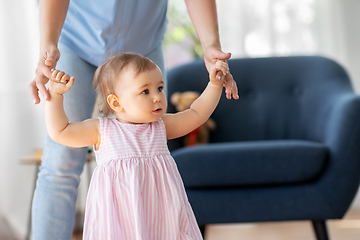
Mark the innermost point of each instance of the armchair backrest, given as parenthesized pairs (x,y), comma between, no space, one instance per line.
(280,97)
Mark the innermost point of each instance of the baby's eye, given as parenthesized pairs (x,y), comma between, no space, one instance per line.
(146,92)
(160,89)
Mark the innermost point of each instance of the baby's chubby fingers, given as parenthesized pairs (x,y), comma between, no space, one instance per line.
(222,66)
(60,76)
(54,72)
(70,82)
(216,76)
(65,78)
(212,74)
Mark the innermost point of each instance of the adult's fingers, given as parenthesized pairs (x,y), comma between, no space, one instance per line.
(34,92)
(49,61)
(44,69)
(234,91)
(42,89)
(230,87)
(38,85)
(221,55)
(214,54)
(51,57)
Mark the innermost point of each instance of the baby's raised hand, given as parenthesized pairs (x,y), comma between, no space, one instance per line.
(218,72)
(60,82)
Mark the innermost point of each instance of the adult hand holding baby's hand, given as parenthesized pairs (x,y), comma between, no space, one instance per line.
(213,55)
(60,82)
(220,75)
(218,72)
(48,58)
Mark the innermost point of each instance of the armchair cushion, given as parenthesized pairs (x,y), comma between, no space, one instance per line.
(251,163)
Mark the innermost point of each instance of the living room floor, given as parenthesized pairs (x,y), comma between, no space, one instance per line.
(347,228)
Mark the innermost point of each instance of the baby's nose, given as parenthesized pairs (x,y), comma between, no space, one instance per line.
(156,98)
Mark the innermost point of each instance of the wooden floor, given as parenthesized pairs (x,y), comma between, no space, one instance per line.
(346,229)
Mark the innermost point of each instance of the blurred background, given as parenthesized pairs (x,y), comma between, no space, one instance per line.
(248,28)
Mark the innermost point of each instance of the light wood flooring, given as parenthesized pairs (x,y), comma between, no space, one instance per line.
(347,228)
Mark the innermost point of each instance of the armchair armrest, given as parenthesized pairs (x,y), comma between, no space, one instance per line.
(342,136)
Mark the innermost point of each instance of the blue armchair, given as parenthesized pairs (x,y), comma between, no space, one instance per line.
(288,149)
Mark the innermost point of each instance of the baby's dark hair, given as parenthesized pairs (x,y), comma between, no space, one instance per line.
(108,74)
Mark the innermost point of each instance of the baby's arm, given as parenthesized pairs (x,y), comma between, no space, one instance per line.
(180,124)
(76,134)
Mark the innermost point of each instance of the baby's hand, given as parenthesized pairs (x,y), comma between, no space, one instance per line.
(60,82)
(218,72)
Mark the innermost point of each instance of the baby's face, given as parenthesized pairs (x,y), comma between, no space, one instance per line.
(142,97)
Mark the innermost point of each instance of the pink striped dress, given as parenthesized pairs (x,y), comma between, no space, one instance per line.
(136,192)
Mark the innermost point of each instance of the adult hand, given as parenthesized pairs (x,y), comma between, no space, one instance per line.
(47,61)
(211,56)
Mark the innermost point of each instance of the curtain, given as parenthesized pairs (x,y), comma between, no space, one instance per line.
(267,27)
(259,28)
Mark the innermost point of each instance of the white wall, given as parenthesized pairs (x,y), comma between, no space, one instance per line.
(21,123)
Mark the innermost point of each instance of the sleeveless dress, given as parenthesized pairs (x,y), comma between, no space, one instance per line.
(136,192)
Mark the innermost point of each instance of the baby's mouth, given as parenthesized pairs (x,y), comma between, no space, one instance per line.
(158,110)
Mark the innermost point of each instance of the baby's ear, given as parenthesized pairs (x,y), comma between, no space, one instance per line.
(175,98)
(114,102)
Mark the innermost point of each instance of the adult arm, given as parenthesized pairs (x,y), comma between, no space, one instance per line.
(52,15)
(203,15)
